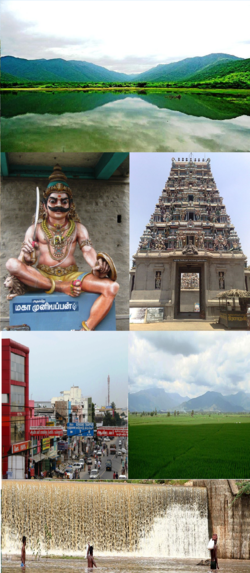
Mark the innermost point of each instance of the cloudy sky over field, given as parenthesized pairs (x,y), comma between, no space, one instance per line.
(190,363)
(124,35)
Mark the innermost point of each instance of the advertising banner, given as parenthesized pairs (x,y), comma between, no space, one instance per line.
(116,431)
(21,447)
(46,444)
(62,446)
(46,431)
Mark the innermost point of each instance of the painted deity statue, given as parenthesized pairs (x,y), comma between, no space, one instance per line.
(50,244)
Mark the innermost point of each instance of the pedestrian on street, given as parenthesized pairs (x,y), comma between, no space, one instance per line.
(116,475)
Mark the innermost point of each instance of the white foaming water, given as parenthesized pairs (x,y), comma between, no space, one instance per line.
(182,533)
(119,520)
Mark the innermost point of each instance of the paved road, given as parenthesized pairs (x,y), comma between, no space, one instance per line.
(116,463)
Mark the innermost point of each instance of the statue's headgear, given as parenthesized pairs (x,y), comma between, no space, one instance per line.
(57,184)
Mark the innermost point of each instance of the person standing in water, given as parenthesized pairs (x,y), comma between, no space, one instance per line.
(214,560)
(23,555)
(90,558)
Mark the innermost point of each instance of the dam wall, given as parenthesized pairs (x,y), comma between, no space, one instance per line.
(131,519)
(228,518)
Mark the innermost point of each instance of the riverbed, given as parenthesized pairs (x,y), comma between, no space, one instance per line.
(118,564)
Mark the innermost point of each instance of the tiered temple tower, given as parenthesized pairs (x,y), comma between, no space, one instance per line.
(189,232)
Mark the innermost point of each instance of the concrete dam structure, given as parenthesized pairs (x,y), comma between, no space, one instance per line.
(149,520)
(143,520)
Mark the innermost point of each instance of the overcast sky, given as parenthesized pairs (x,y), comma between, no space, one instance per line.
(150,171)
(190,363)
(59,360)
(124,36)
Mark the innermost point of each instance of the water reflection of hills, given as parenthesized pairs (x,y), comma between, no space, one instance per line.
(217,107)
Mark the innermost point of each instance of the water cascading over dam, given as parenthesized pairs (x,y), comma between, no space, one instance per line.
(149,520)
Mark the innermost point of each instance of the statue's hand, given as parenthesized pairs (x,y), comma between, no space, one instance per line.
(101,269)
(28,247)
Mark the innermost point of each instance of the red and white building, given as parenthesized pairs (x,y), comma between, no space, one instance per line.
(15,409)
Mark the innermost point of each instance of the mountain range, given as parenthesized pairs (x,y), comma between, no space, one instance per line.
(197,69)
(151,398)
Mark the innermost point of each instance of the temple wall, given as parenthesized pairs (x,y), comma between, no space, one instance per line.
(188,299)
(233,274)
(230,522)
(144,292)
(97,202)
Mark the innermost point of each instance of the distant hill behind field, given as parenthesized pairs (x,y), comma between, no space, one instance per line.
(151,398)
(156,398)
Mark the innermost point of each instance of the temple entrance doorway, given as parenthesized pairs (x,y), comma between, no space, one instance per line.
(189,292)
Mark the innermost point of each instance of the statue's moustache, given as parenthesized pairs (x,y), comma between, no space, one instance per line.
(59,209)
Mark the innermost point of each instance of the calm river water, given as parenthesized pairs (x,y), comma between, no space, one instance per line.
(124,565)
(82,121)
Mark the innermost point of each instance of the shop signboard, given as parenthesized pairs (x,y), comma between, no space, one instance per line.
(61,446)
(46,444)
(46,431)
(116,431)
(20,447)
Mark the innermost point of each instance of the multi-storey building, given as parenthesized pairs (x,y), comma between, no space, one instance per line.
(15,409)
(75,398)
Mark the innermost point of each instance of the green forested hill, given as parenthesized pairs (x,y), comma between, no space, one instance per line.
(225,72)
(212,71)
(8,78)
(58,70)
(183,70)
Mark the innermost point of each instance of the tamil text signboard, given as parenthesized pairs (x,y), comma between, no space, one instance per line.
(46,431)
(21,447)
(116,431)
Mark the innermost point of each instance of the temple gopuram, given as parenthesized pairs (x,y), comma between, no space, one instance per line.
(189,250)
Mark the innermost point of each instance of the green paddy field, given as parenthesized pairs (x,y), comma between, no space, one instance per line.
(184,447)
